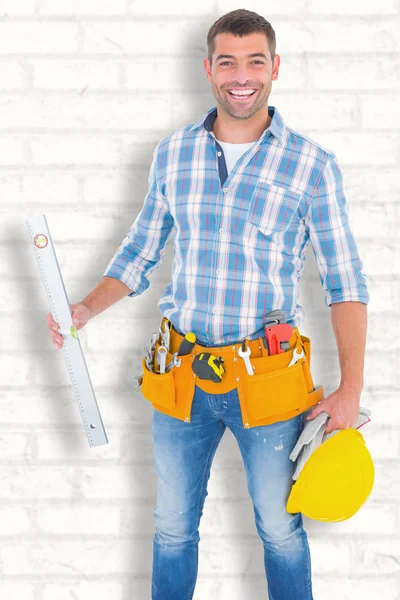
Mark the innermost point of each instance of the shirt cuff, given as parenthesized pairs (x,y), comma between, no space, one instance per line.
(126,280)
(356,294)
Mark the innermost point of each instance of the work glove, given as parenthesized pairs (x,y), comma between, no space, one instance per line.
(314,434)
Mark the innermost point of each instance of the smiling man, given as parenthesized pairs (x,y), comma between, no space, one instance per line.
(244,194)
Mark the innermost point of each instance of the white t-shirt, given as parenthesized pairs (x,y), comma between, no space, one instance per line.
(233,152)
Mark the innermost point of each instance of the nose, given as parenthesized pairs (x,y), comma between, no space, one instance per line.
(241,75)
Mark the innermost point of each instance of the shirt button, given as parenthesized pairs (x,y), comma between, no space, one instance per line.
(221,230)
(214,310)
(219,153)
(225,190)
(218,271)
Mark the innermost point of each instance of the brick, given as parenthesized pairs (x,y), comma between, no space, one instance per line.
(355,74)
(10,189)
(11,75)
(15,520)
(354,147)
(382,557)
(167,73)
(102,519)
(20,8)
(132,37)
(320,34)
(355,588)
(354,7)
(111,189)
(11,149)
(174,7)
(73,149)
(83,7)
(387,481)
(36,482)
(44,189)
(366,185)
(138,151)
(59,446)
(60,558)
(386,249)
(81,590)
(75,74)
(286,7)
(13,589)
(37,37)
(15,446)
(73,224)
(372,117)
(100,112)
(127,410)
(383,405)
(339,553)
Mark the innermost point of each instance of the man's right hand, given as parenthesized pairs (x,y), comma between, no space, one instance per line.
(80,316)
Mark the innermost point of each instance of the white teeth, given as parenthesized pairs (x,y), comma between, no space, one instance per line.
(247,93)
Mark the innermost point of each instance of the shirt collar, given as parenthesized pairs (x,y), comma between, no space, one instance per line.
(276,127)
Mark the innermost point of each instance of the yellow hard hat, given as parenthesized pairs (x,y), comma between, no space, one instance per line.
(336,480)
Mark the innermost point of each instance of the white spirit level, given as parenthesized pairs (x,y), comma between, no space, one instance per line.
(60,309)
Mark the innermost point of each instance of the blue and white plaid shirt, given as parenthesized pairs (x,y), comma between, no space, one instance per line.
(240,240)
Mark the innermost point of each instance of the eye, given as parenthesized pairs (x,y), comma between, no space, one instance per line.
(225,63)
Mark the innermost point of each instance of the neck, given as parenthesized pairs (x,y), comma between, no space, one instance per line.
(240,131)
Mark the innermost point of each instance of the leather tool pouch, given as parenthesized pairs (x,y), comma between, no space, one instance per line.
(276,389)
(169,392)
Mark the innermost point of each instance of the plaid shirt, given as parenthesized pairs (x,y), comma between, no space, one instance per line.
(240,239)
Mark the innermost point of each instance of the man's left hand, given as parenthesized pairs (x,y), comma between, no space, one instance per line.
(342,406)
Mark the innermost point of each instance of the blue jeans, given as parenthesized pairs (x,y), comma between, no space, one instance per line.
(183,454)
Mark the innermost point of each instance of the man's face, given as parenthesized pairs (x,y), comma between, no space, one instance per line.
(241,72)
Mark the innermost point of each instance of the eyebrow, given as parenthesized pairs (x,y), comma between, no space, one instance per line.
(249,55)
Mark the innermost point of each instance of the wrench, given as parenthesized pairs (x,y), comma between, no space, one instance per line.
(245,356)
(164,337)
(174,362)
(161,358)
(296,356)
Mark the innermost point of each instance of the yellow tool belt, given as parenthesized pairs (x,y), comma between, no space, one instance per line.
(276,392)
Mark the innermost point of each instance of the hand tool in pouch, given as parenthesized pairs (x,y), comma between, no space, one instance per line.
(208,366)
(277,332)
(187,344)
(61,312)
(161,358)
(245,354)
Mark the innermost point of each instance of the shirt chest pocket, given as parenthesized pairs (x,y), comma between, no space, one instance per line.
(272,208)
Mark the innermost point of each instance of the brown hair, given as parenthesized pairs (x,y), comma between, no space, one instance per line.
(241,22)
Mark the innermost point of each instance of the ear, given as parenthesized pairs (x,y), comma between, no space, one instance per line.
(207,67)
(275,69)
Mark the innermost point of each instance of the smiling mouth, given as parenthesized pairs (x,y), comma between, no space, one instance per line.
(242,97)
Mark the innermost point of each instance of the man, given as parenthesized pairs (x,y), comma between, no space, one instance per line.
(244,195)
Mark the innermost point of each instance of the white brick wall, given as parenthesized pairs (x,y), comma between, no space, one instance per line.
(87,90)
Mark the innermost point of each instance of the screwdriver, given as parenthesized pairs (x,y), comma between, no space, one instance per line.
(187,344)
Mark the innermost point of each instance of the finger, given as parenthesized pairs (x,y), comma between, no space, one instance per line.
(57,340)
(314,413)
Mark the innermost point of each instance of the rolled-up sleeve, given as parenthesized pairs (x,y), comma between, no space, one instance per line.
(340,267)
(141,251)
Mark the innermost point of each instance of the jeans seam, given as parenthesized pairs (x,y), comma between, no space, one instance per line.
(210,454)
